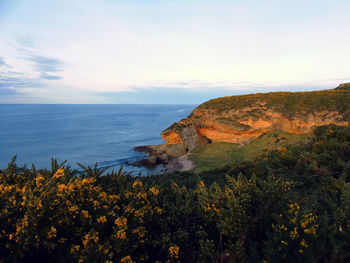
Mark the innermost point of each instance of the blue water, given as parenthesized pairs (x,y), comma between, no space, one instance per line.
(86,134)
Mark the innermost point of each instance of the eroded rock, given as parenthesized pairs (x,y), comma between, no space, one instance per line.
(240,119)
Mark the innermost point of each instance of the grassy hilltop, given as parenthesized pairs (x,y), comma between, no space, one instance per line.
(289,103)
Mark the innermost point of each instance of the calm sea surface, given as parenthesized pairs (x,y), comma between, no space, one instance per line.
(87,134)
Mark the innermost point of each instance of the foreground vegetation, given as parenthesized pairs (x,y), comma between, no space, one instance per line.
(291,204)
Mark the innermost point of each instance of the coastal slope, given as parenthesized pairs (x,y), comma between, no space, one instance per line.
(241,119)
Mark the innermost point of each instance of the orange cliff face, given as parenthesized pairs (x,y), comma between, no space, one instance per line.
(256,117)
(181,137)
(172,137)
(241,126)
(240,119)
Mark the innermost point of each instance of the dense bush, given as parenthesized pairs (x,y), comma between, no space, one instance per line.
(290,205)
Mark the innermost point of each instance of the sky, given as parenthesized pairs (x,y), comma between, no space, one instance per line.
(169,51)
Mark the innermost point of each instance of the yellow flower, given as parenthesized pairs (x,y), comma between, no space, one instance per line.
(126,259)
(284,242)
(137,183)
(73,208)
(103,196)
(174,251)
(85,214)
(52,233)
(96,204)
(38,179)
(340,229)
(121,234)
(121,221)
(90,237)
(154,191)
(139,231)
(102,219)
(59,173)
(139,213)
(74,248)
(303,243)
(61,187)
(294,233)
(129,210)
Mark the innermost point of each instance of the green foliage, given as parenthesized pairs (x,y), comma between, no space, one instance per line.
(290,204)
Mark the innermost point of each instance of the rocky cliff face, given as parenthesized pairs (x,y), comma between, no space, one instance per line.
(240,119)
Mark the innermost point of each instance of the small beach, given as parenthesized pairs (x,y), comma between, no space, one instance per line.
(182,163)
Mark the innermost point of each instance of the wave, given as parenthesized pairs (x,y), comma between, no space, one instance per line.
(182,110)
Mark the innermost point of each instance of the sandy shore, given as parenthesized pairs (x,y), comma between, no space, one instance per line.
(183,163)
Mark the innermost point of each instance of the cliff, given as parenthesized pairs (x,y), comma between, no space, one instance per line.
(240,119)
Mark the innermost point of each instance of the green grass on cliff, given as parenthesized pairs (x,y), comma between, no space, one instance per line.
(289,104)
(344,86)
(217,155)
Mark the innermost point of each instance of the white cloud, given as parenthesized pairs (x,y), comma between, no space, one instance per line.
(113,46)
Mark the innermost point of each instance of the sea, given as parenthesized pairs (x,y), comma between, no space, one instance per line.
(88,134)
